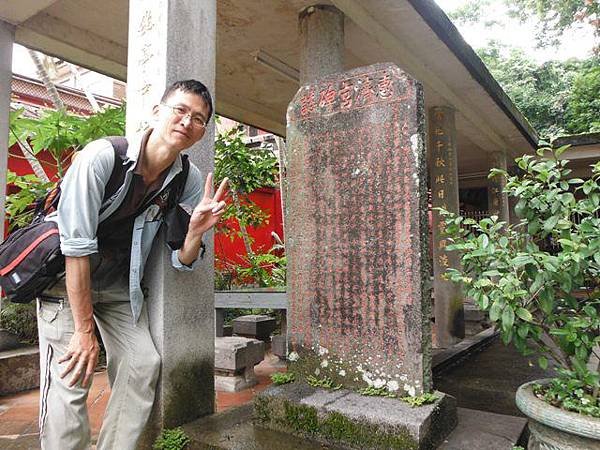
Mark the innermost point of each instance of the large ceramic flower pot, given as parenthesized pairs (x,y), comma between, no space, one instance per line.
(553,428)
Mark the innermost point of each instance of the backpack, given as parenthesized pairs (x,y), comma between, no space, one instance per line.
(30,257)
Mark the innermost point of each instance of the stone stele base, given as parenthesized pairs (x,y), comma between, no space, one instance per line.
(345,418)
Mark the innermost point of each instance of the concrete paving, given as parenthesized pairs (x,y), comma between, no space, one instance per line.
(19,412)
(488,380)
(485,431)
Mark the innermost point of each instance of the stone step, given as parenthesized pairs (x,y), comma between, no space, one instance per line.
(19,370)
(485,431)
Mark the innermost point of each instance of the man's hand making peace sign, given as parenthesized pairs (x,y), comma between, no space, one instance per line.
(206,214)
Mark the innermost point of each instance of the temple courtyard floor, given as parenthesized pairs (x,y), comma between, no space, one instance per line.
(482,376)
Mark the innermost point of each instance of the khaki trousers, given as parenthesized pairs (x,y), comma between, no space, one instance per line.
(133,368)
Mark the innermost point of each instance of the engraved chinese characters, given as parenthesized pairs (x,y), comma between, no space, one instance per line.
(348,94)
(449,315)
(357,229)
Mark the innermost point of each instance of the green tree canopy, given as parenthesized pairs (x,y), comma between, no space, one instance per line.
(583,109)
(556,16)
(557,97)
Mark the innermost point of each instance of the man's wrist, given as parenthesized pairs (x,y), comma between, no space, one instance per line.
(85,327)
(193,240)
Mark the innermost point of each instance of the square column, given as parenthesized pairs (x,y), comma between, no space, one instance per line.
(7,38)
(443,172)
(497,200)
(171,40)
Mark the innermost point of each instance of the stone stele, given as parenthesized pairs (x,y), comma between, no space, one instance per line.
(357,234)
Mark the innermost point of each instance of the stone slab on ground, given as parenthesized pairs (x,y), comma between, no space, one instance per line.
(19,370)
(485,431)
(235,353)
(254,325)
(351,420)
(233,430)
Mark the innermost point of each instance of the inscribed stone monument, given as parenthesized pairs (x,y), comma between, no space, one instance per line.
(357,231)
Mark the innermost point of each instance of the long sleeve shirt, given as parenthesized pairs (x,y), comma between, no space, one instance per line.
(81,209)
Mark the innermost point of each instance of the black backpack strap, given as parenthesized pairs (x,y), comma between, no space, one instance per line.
(179,183)
(177,218)
(117,176)
(49,202)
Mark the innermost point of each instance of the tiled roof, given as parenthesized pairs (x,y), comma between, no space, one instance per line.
(28,91)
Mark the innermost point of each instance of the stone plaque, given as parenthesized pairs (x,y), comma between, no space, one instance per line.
(357,231)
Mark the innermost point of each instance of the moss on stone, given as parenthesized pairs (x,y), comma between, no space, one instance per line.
(338,427)
(262,409)
(331,427)
(301,418)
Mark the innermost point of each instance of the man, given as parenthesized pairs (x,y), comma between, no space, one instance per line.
(104,267)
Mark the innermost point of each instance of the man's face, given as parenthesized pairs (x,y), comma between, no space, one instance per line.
(180,119)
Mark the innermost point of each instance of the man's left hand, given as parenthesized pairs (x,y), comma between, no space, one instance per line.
(210,209)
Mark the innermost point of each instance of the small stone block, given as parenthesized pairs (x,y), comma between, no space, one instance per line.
(234,353)
(254,325)
(227,330)
(350,420)
(279,346)
(9,341)
(19,370)
(236,383)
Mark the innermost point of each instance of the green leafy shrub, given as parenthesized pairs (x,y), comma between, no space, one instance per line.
(544,299)
(60,133)
(20,319)
(283,378)
(172,439)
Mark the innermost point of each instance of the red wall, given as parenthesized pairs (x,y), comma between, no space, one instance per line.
(18,164)
(269,200)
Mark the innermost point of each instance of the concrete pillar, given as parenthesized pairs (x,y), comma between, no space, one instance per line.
(322,37)
(172,40)
(498,200)
(7,38)
(448,298)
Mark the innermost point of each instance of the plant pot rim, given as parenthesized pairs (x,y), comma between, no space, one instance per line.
(558,418)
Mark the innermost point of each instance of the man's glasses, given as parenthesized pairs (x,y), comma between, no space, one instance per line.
(180,111)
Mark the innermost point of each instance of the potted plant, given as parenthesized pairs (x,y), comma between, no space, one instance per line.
(539,282)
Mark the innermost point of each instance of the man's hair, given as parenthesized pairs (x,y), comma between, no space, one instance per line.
(193,87)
